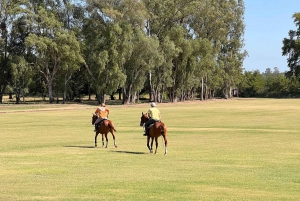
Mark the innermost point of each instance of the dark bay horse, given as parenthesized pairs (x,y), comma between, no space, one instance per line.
(158,129)
(105,127)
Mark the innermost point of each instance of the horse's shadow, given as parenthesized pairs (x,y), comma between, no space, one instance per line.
(122,152)
(129,152)
(83,147)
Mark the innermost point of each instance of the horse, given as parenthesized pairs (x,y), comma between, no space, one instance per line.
(158,129)
(105,127)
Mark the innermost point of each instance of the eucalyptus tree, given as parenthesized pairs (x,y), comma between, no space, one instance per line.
(231,55)
(9,11)
(71,14)
(108,35)
(166,20)
(54,49)
(205,25)
(183,64)
(145,56)
(162,80)
(221,23)
(145,51)
(21,77)
(291,49)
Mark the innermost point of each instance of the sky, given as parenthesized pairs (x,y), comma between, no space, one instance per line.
(267,24)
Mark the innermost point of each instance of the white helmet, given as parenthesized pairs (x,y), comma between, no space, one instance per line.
(153,104)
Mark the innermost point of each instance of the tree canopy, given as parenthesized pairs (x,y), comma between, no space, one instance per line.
(172,49)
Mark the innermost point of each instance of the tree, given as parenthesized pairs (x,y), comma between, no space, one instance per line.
(54,48)
(252,85)
(291,48)
(166,22)
(276,83)
(9,10)
(108,42)
(145,56)
(21,77)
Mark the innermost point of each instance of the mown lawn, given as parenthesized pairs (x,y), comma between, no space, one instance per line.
(240,149)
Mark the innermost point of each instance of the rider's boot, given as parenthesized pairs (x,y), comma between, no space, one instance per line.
(146,132)
(96,127)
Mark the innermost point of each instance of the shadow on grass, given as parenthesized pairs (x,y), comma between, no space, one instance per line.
(83,147)
(92,147)
(129,152)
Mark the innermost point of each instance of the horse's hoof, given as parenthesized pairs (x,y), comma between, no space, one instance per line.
(116,146)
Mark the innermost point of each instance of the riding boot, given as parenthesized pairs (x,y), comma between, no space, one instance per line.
(96,127)
(146,131)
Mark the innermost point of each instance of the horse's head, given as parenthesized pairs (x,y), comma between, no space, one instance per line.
(94,118)
(144,119)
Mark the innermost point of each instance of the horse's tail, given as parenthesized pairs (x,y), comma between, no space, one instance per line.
(111,126)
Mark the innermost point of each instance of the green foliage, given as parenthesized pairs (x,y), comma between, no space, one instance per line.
(267,84)
(172,49)
(21,76)
(291,48)
(54,48)
(252,85)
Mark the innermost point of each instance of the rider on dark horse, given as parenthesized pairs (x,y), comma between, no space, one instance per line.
(102,112)
(154,116)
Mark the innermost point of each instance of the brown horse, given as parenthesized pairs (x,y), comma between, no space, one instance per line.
(158,129)
(105,127)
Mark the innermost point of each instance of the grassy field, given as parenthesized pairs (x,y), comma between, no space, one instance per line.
(239,149)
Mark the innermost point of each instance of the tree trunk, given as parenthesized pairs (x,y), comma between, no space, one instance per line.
(151,93)
(17,98)
(64,95)
(120,93)
(1,96)
(202,89)
(101,97)
(50,92)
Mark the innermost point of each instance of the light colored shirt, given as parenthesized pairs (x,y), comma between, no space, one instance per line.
(154,113)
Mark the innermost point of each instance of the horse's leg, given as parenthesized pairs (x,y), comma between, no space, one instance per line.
(152,138)
(148,144)
(106,140)
(96,139)
(166,144)
(113,135)
(156,144)
(102,140)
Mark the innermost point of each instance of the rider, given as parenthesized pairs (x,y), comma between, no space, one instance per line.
(102,112)
(154,115)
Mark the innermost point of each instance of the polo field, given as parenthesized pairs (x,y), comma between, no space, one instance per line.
(237,149)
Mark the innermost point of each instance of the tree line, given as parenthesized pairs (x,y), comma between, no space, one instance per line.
(173,50)
(274,83)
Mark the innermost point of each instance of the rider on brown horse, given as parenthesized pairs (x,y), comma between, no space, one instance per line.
(102,112)
(154,115)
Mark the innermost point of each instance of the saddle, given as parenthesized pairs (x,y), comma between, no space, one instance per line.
(153,123)
(101,122)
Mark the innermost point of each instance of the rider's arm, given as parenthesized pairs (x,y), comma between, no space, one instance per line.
(149,113)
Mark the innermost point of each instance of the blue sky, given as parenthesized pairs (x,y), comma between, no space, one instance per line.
(267,24)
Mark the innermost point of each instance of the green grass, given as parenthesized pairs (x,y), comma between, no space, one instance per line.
(240,149)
